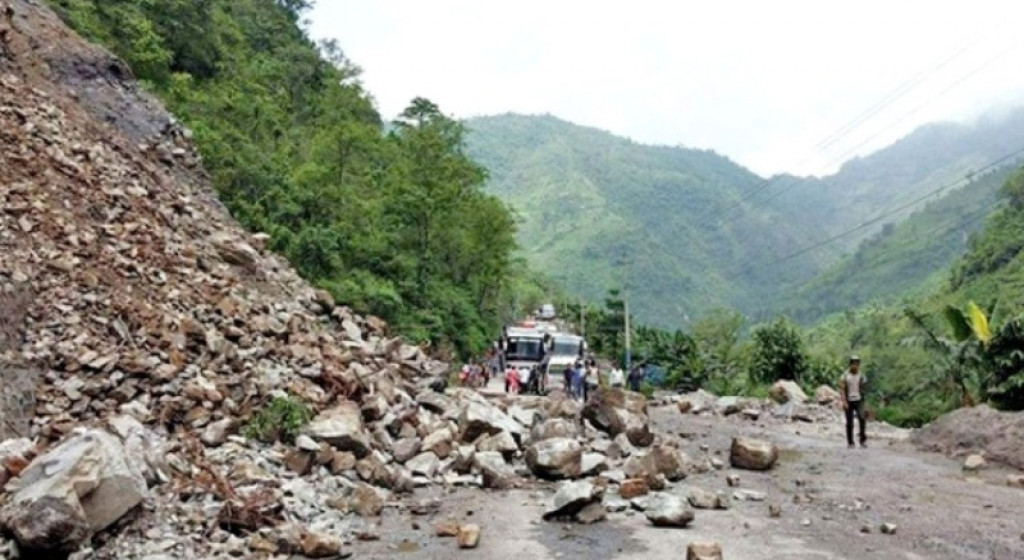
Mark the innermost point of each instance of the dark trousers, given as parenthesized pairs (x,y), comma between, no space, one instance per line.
(853,407)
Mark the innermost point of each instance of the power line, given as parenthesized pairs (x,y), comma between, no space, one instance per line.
(880,217)
(887,100)
(843,156)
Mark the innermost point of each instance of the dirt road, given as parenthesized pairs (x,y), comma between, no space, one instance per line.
(833,501)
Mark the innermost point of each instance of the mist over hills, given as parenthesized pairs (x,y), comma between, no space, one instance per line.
(597,211)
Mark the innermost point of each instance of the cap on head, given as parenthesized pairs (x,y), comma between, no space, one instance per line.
(854,359)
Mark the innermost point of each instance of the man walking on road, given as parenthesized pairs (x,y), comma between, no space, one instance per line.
(851,391)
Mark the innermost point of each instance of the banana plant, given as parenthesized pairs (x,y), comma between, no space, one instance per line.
(964,372)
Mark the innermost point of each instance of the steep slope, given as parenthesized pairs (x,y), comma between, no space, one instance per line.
(396,224)
(586,198)
(144,327)
(904,260)
(597,210)
(933,156)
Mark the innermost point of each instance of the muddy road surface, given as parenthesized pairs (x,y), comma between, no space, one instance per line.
(833,501)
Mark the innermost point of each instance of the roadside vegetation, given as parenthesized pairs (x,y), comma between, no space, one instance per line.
(962,344)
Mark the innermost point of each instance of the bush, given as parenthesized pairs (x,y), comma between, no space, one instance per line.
(281,420)
(647,389)
(778,353)
(1005,353)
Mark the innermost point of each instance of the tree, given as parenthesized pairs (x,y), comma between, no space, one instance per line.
(778,352)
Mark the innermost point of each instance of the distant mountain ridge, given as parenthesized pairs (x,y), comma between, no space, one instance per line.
(598,211)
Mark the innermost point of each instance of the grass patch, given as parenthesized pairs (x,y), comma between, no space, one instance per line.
(280,420)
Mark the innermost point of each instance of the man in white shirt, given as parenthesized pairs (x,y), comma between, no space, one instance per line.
(616,377)
(851,390)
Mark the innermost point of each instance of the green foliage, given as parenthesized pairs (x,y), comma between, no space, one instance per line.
(1005,353)
(647,389)
(778,352)
(904,260)
(392,223)
(597,211)
(280,420)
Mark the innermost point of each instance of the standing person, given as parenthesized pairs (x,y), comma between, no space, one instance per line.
(591,379)
(577,380)
(851,391)
(567,380)
(637,375)
(615,377)
(511,380)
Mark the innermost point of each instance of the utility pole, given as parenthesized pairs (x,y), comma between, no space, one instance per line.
(583,320)
(625,302)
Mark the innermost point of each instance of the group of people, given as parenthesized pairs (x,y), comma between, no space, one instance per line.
(583,377)
(474,374)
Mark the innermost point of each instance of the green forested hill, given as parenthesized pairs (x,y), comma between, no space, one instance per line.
(596,210)
(586,198)
(392,220)
(931,157)
(904,260)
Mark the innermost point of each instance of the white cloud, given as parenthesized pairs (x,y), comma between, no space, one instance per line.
(761,82)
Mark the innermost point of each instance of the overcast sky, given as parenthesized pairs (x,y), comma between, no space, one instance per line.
(764,83)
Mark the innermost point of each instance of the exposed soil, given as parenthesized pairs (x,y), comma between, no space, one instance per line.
(940,512)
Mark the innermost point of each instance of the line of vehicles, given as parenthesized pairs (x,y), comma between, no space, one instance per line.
(537,348)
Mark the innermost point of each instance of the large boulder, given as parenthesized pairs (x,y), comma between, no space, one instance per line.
(620,398)
(554,428)
(406,448)
(74,490)
(439,441)
(493,469)
(826,395)
(480,418)
(425,463)
(434,402)
(784,391)
(671,462)
(502,442)
(615,420)
(571,498)
(667,510)
(342,427)
(753,454)
(696,402)
(555,458)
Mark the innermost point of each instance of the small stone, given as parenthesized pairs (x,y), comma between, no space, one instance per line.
(749,496)
(774,510)
(865,528)
(974,463)
(633,487)
(733,480)
(805,522)
(702,499)
(299,462)
(366,501)
(306,443)
(704,551)
(447,529)
(888,528)
(469,536)
(316,545)
(1015,480)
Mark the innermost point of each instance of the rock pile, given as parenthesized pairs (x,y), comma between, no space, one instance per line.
(141,322)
